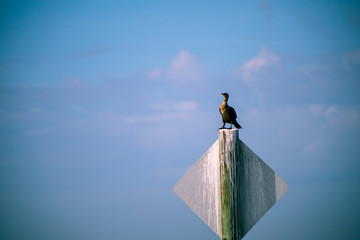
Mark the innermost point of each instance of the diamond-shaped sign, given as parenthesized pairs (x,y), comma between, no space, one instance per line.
(230,187)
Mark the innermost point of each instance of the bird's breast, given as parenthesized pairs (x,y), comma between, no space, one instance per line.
(222,107)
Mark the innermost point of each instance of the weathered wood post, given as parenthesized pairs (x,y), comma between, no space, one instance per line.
(228,142)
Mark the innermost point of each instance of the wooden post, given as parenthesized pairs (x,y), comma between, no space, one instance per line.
(228,142)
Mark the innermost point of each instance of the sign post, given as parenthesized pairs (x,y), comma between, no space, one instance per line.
(230,187)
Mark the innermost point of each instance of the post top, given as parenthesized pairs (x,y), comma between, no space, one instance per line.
(228,130)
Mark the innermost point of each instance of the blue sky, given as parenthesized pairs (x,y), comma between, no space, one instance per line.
(104,105)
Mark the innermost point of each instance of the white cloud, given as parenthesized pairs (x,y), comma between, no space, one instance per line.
(184,68)
(351,60)
(337,115)
(265,59)
(155,74)
(343,116)
(316,108)
(165,111)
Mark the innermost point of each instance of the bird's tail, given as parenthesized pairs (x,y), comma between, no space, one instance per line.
(236,124)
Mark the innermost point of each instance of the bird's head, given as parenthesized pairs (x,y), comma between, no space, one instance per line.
(226,96)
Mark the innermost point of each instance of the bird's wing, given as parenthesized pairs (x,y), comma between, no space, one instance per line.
(232,113)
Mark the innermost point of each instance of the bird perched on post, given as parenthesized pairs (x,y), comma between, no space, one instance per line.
(228,113)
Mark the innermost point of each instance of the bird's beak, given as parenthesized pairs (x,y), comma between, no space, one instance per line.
(222,94)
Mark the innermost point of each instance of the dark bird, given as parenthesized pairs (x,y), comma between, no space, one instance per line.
(228,113)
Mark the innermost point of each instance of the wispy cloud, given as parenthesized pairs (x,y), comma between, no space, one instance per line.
(91,51)
(265,59)
(351,60)
(175,105)
(185,68)
(155,74)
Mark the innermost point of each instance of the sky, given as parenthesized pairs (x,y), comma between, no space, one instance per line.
(104,105)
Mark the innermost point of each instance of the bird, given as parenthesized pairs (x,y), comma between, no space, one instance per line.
(228,114)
